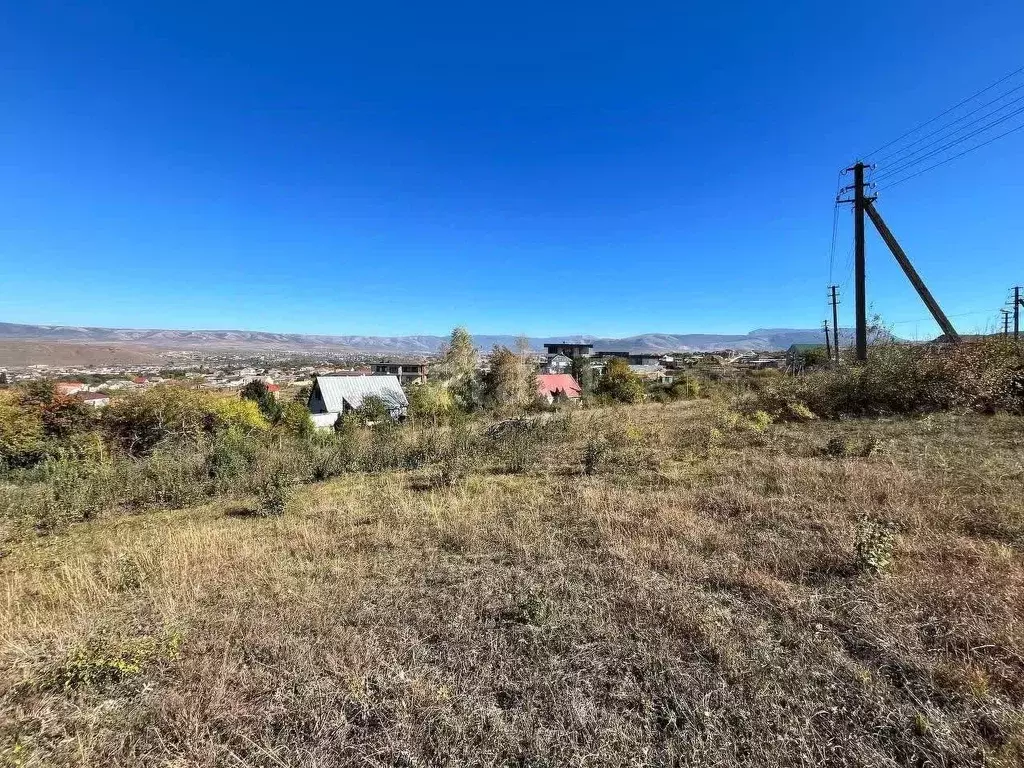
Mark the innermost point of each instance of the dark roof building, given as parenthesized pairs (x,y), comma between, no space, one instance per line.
(571,349)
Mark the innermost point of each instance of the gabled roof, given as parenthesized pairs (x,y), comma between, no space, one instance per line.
(339,390)
(553,383)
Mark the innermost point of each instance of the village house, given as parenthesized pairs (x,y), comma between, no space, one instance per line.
(333,396)
(570,349)
(558,386)
(94,399)
(407,372)
(69,387)
(557,364)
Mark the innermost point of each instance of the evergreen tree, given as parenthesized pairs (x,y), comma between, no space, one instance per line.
(257,391)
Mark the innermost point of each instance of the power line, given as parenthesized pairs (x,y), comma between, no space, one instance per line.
(892,184)
(946,127)
(950,145)
(832,248)
(943,114)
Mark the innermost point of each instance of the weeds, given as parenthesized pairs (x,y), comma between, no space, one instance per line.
(873,549)
(529,617)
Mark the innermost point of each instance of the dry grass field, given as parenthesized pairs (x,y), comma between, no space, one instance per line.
(658,586)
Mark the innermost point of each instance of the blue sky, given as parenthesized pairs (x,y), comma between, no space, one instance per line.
(396,168)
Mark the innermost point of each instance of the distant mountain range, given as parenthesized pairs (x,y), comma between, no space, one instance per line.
(760,339)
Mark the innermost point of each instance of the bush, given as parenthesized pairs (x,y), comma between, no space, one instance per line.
(257,391)
(142,420)
(295,419)
(593,454)
(874,545)
(21,431)
(516,443)
(985,375)
(273,489)
(620,383)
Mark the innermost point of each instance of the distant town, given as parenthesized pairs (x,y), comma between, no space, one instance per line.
(231,372)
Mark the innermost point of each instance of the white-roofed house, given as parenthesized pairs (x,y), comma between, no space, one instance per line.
(332,396)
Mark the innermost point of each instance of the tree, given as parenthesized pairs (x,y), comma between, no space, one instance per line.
(583,372)
(620,383)
(295,418)
(257,391)
(459,356)
(457,369)
(21,431)
(374,410)
(510,384)
(3,380)
(430,401)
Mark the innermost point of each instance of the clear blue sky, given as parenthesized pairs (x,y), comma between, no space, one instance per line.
(395,168)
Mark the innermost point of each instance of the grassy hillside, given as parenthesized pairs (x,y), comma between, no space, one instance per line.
(656,585)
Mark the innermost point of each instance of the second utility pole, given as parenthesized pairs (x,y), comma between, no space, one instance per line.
(1017,302)
(835,322)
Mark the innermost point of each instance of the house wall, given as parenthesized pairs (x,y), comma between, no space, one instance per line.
(316,401)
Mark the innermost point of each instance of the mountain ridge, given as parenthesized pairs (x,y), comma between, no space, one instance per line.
(761,339)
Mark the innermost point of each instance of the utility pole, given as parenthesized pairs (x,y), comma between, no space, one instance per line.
(1018,302)
(1006,322)
(835,320)
(828,343)
(860,280)
(861,205)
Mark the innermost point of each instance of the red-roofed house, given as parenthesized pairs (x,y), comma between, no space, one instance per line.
(558,386)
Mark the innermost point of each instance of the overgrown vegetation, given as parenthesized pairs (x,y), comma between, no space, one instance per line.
(984,376)
(694,582)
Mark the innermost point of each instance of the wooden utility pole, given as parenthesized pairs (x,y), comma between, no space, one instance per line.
(835,320)
(828,343)
(1018,302)
(862,204)
(859,277)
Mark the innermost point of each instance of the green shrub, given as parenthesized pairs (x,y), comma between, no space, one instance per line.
(104,661)
(273,490)
(874,544)
(516,444)
(593,454)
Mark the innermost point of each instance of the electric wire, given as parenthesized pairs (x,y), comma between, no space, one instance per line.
(882,161)
(943,114)
(944,147)
(892,184)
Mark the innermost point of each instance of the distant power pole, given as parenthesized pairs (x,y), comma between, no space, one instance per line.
(1006,321)
(1018,302)
(835,320)
(828,343)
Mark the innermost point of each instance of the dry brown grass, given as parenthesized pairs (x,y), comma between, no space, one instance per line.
(695,601)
